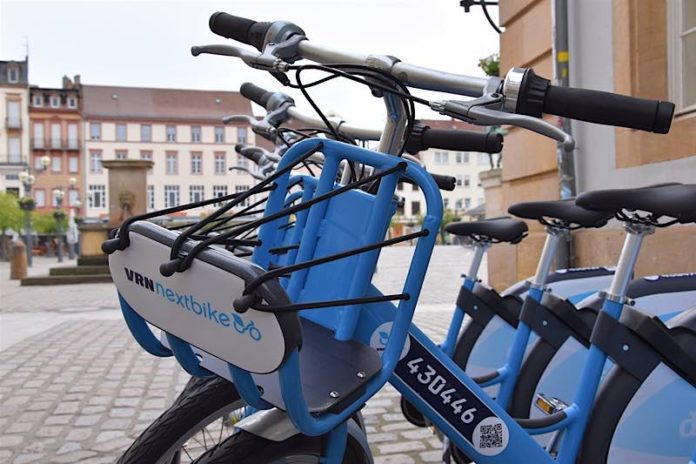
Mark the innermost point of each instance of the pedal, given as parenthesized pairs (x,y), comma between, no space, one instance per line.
(548,404)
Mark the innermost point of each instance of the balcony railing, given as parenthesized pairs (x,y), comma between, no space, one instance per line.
(13,123)
(12,159)
(62,144)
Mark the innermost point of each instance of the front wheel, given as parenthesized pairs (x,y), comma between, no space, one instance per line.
(201,417)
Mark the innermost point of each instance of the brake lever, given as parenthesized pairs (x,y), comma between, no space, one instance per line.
(479,112)
(249,57)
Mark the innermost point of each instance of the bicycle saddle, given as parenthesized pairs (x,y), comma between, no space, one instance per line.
(676,201)
(563,213)
(502,229)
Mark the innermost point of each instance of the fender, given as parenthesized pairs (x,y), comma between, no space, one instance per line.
(275,425)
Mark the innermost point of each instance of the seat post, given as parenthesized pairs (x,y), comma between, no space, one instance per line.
(627,260)
(554,235)
(480,248)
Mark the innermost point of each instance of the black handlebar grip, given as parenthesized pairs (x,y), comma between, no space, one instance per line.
(248,152)
(255,94)
(447,183)
(242,30)
(609,108)
(450,139)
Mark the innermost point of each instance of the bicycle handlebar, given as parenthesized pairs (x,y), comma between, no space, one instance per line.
(255,94)
(240,29)
(423,137)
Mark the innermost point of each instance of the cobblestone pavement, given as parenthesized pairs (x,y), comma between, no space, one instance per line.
(75,387)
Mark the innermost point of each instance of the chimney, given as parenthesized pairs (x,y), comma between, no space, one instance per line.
(76,80)
(67,84)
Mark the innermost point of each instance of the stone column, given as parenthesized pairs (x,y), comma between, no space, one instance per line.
(127,188)
(127,197)
(502,258)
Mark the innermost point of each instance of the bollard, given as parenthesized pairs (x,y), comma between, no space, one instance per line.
(18,261)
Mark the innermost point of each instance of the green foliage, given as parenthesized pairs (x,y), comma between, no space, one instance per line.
(10,214)
(490,65)
(447,216)
(45,224)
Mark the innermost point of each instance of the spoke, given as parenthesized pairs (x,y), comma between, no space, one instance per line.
(187,453)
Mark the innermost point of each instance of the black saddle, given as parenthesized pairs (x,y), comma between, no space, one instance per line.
(562,213)
(502,229)
(675,201)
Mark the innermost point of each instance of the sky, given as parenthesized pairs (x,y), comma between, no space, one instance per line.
(147,43)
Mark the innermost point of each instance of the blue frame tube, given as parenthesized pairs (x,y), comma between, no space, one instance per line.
(450,343)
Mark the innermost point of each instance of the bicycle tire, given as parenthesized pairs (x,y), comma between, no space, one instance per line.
(202,401)
(246,448)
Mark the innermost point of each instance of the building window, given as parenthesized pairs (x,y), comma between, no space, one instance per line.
(72,137)
(40,197)
(55,101)
(467,181)
(445,203)
(400,186)
(95,162)
(461,158)
(56,201)
(242,162)
(121,133)
(196,193)
(55,135)
(15,150)
(467,203)
(145,133)
(56,164)
(38,135)
(196,163)
(96,197)
(172,163)
(220,163)
(415,208)
(150,197)
(12,75)
(219,191)
(219,134)
(121,154)
(72,102)
(458,204)
(14,115)
(681,20)
(38,165)
(441,157)
(171,196)
(95,131)
(73,164)
(37,100)
(195,133)
(171,133)
(460,180)
(241,135)
(240,189)
(483,159)
(73,196)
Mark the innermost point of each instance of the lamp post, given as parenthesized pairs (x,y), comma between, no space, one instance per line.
(59,215)
(27,203)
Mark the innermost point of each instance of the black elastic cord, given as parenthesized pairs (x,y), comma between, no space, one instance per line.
(186,262)
(256,283)
(179,241)
(329,304)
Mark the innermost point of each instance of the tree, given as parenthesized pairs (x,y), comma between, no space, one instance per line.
(447,216)
(45,224)
(10,218)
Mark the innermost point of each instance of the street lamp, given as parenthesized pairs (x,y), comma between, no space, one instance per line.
(59,215)
(27,203)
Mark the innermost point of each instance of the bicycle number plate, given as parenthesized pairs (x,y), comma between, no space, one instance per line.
(452,400)
(196,305)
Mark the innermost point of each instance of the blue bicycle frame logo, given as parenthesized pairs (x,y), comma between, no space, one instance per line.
(241,327)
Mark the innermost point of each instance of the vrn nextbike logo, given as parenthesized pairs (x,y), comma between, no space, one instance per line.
(687,428)
(191,304)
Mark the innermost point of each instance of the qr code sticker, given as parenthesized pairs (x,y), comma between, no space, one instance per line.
(491,436)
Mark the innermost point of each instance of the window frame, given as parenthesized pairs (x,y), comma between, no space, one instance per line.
(124,126)
(171,155)
(95,155)
(676,76)
(196,155)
